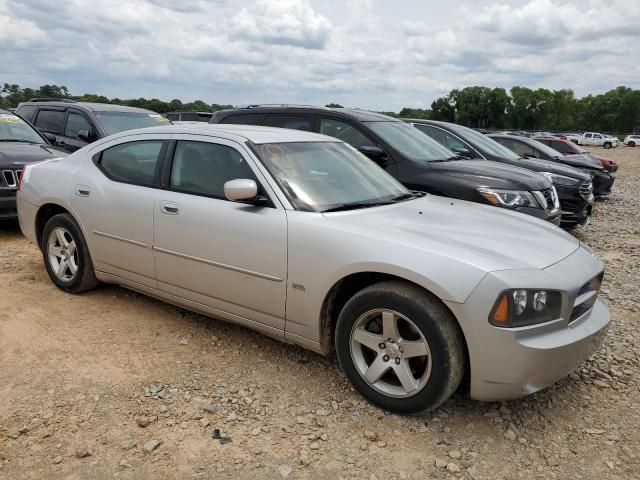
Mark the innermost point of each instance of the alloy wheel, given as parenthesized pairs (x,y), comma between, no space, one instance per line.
(63,254)
(390,353)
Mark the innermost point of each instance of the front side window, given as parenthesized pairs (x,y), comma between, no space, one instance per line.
(14,129)
(442,137)
(114,122)
(345,132)
(203,168)
(520,148)
(587,135)
(133,162)
(294,122)
(51,121)
(410,142)
(318,176)
(560,147)
(239,119)
(75,124)
(174,117)
(27,112)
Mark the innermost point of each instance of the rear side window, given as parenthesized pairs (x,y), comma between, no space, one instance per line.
(75,124)
(133,162)
(203,168)
(248,119)
(27,112)
(174,117)
(51,121)
(196,117)
(294,122)
(345,132)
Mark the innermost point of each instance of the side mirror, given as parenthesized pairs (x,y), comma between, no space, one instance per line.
(464,151)
(86,135)
(374,153)
(241,189)
(49,137)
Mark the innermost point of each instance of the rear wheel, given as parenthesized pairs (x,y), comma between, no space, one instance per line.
(66,256)
(400,347)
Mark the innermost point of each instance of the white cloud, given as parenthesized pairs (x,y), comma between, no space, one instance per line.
(282,22)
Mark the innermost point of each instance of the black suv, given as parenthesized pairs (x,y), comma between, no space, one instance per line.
(20,144)
(527,147)
(419,162)
(574,187)
(72,125)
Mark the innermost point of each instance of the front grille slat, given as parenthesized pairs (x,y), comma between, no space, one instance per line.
(549,198)
(586,190)
(586,298)
(10,178)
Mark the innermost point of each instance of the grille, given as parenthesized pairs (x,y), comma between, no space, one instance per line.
(586,298)
(10,178)
(550,198)
(586,190)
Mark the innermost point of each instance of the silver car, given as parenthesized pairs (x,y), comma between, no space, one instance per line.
(301,237)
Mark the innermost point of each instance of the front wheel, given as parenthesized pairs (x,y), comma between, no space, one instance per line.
(632,144)
(400,347)
(607,145)
(66,256)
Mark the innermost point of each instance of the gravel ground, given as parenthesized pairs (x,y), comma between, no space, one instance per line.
(111,384)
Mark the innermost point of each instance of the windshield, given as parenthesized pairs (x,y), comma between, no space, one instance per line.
(410,142)
(14,129)
(489,145)
(114,122)
(318,176)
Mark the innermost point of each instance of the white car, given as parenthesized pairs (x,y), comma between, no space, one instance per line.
(598,139)
(302,237)
(632,140)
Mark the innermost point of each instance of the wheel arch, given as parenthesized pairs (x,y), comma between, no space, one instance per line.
(346,287)
(45,213)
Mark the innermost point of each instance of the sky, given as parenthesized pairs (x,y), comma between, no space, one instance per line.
(375,54)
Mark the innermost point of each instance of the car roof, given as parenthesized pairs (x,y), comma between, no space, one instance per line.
(189,111)
(357,114)
(94,107)
(239,133)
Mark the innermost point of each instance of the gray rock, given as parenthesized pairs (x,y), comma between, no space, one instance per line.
(83,453)
(285,470)
(143,421)
(453,468)
(455,454)
(209,408)
(56,460)
(441,463)
(128,444)
(155,388)
(151,445)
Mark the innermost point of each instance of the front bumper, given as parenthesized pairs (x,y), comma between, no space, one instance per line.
(509,363)
(8,210)
(602,183)
(575,208)
(542,214)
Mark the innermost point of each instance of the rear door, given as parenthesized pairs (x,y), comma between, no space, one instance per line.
(52,120)
(114,192)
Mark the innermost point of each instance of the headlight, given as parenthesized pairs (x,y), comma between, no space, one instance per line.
(522,307)
(561,179)
(509,198)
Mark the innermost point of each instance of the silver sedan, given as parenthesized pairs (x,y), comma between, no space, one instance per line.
(303,238)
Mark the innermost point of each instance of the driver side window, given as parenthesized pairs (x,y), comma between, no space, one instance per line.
(75,124)
(345,132)
(202,168)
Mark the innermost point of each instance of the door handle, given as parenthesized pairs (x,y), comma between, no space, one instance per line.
(170,208)
(83,191)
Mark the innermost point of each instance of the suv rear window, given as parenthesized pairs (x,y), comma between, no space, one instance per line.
(50,121)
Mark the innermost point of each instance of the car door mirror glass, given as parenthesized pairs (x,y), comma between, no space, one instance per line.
(464,151)
(374,153)
(49,137)
(241,189)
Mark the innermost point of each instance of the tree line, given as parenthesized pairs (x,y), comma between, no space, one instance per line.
(520,108)
(616,111)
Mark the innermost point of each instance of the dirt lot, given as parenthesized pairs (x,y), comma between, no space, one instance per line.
(90,384)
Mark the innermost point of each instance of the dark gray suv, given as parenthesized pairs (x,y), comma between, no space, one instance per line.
(71,125)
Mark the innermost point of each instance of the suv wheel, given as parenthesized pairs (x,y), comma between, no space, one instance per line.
(400,347)
(66,255)
(632,144)
(607,145)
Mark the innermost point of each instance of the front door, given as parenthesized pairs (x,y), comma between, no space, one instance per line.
(228,256)
(114,192)
(75,125)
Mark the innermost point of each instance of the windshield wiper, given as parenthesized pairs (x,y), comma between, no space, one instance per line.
(16,140)
(408,196)
(354,206)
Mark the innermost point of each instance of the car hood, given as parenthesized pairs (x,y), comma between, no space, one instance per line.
(581,161)
(18,154)
(484,173)
(552,167)
(484,236)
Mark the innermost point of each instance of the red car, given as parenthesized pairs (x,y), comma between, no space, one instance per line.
(567,147)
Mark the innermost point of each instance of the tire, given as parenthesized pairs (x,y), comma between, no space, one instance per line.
(62,241)
(632,144)
(418,317)
(607,145)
